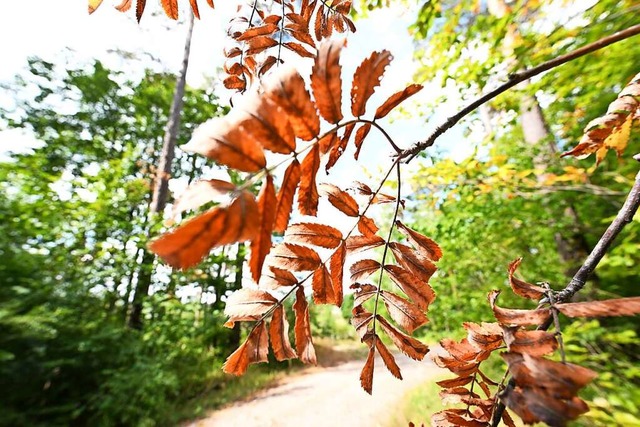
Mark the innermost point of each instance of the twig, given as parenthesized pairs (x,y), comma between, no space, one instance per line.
(515,79)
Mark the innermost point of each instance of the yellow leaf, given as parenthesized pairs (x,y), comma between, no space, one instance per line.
(93,5)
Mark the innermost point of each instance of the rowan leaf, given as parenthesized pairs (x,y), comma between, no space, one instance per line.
(413,261)
(262,30)
(363,269)
(360,319)
(94,5)
(535,343)
(186,245)
(285,196)
(254,350)
(417,290)
(338,150)
(607,308)
(361,134)
(484,336)
(455,382)
(395,100)
(367,226)
(366,79)
(304,343)
(533,407)
(516,317)
(124,6)
(406,344)
(314,234)
(261,244)
(362,243)
(388,359)
(276,277)
(268,125)
(294,257)
(336,266)
(308,192)
(194,8)
(259,44)
(299,49)
(340,199)
(422,243)
(140,5)
(247,304)
(327,142)
(403,312)
(279,332)
(362,293)
(287,89)
(203,191)
(170,8)
(326,81)
(227,144)
(522,288)
(366,376)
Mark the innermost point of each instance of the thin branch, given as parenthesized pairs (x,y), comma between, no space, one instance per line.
(515,79)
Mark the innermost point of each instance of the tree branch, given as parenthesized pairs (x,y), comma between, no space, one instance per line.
(515,79)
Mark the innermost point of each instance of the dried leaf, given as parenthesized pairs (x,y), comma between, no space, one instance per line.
(267,124)
(194,8)
(395,100)
(425,245)
(308,193)
(362,243)
(276,277)
(516,317)
(406,344)
(234,82)
(455,382)
(535,343)
(486,336)
(340,200)
(413,261)
(366,376)
(522,288)
(186,245)
(261,245)
(294,257)
(533,406)
(327,142)
(299,49)
(314,234)
(263,30)
(360,320)
(326,81)
(247,304)
(450,418)
(202,192)
(140,5)
(336,265)
(93,5)
(304,343)
(611,307)
(288,90)
(323,292)
(254,350)
(285,196)
(124,6)
(418,291)
(339,149)
(388,359)
(403,312)
(279,332)
(227,144)
(363,269)
(362,293)
(361,134)
(170,8)
(366,226)
(259,44)
(366,79)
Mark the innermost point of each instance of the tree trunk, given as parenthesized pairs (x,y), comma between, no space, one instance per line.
(161,186)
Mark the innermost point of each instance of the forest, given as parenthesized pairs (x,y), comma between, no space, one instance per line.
(169,248)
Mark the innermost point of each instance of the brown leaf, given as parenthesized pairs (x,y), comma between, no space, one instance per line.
(317,27)
(366,226)
(340,200)
(267,124)
(395,99)
(259,44)
(285,196)
(363,243)
(294,257)
(301,34)
(124,5)
(339,149)
(194,8)
(254,350)
(308,192)
(611,307)
(234,82)
(326,81)
(522,288)
(406,344)
(418,291)
(299,49)
(388,359)
(451,418)
(361,134)
(508,421)
(186,245)
(516,317)
(327,142)
(323,292)
(304,343)
(403,312)
(276,277)
(425,245)
(486,336)
(362,293)
(366,376)
(360,320)
(288,90)
(202,192)
(170,8)
(314,234)
(363,269)
(533,406)
(463,350)
(366,79)
(535,343)
(247,304)
(140,5)
(336,265)
(455,382)
(261,245)
(279,332)
(413,261)
(227,144)
(267,64)
(263,30)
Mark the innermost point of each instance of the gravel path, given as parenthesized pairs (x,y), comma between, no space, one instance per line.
(325,397)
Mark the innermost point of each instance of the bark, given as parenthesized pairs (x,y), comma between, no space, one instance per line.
(161,186)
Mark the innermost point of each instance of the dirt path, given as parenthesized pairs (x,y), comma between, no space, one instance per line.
(325,397)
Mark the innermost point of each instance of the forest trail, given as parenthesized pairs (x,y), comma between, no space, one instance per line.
(326,397)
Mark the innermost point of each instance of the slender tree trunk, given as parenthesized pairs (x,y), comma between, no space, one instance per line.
(161,186)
